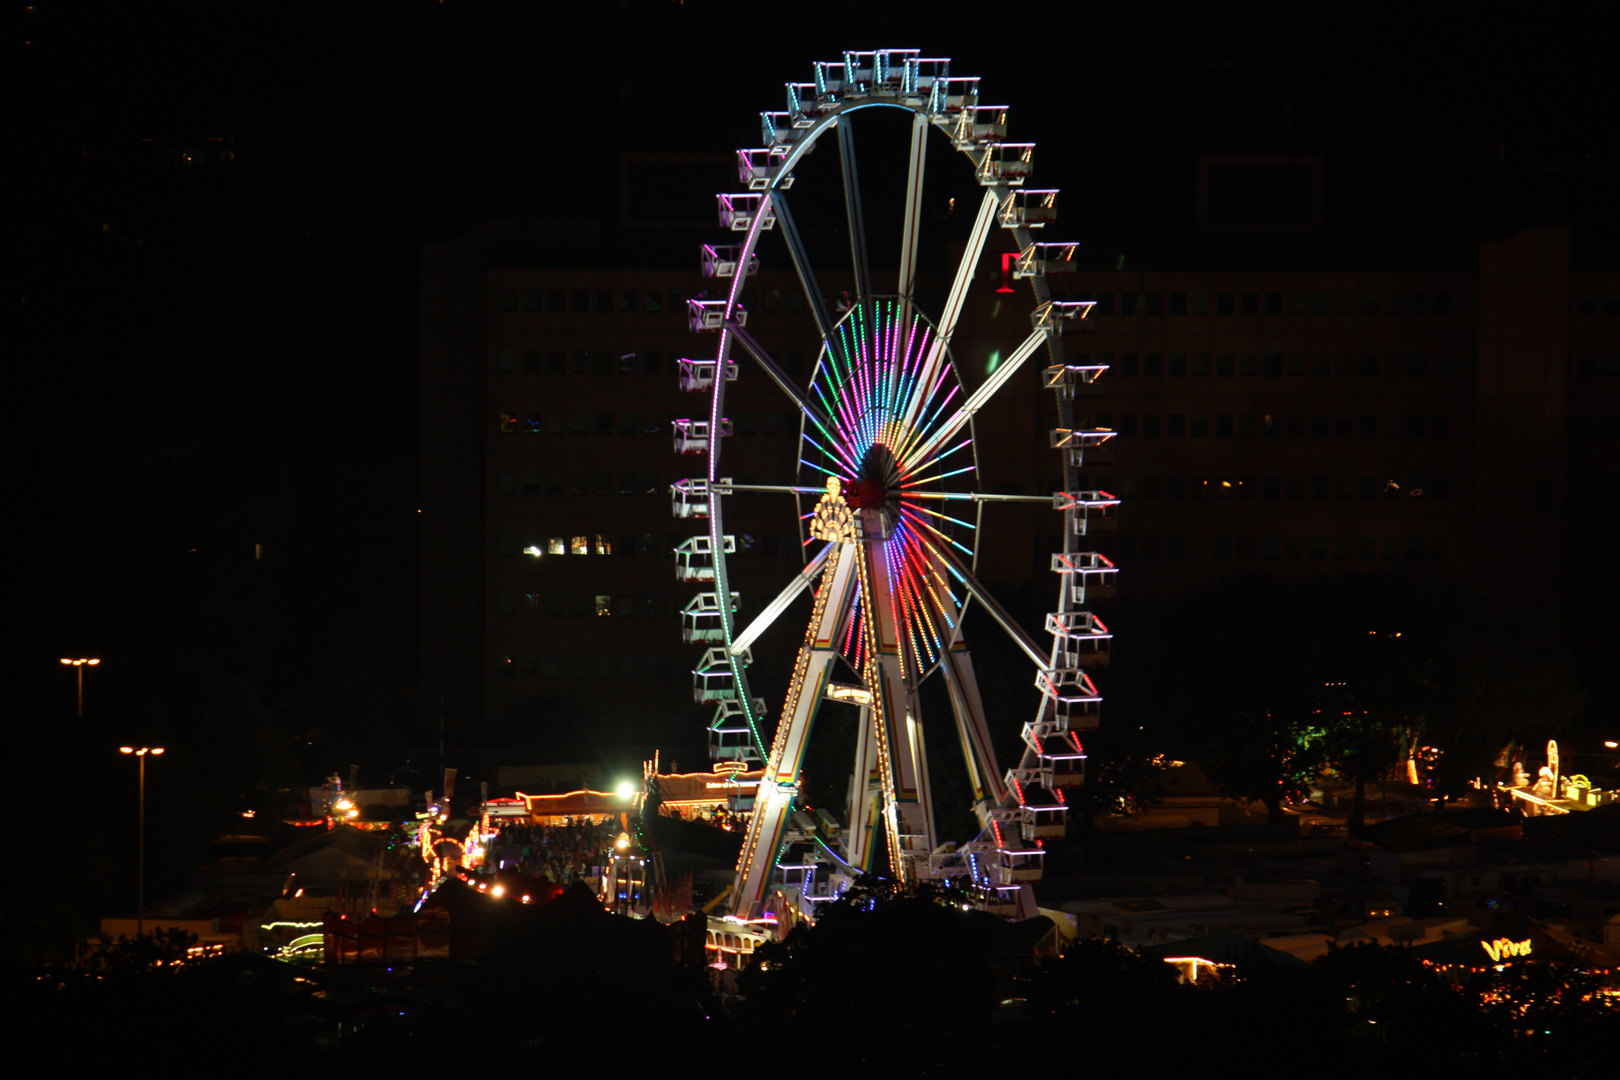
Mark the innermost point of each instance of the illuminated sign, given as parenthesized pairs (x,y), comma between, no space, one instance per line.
(1502,948)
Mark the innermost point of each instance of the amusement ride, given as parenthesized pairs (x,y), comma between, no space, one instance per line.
(890,507)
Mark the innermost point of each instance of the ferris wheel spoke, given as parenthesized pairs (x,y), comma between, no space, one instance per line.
(853,210)
(913,219)
(970,261)
(783,599)
(774,370)
(813,293)
(981,396)
(937,356)
(1018,634)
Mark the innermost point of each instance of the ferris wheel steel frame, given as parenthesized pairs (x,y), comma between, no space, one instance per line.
(884,570)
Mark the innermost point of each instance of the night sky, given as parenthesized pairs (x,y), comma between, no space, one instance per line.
(219,355)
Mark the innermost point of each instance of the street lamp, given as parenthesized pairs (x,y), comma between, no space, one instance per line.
(79,665)
(140,753)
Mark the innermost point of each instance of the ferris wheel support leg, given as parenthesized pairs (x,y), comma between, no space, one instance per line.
(865,796)
(774,801)
(908,806)
(772,804)
(972,729)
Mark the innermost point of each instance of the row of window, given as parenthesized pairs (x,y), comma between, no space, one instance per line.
(630,301)
(1593,426)
(596,665)
(1588,366)
(1290,487)
(1268,548)
(584,422)
(557,484)
(610,362)
(583,605)
(1275,365)
(1587,303)
(658,301)
(1274,425)
(580,301)
(650,545)
(1268,303)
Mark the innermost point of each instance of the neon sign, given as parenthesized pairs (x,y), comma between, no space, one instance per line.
(1502,948)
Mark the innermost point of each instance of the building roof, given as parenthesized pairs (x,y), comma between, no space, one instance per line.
(355,844)
(1223,947)
(1435,829)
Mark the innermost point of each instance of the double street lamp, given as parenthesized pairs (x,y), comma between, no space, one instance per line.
(141,753)
(79,665)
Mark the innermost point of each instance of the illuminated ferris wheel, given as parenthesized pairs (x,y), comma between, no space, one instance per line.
(890,506)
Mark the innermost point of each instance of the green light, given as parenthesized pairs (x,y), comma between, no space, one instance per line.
(995,362)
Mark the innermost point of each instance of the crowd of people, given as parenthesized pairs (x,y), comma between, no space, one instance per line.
(558,853)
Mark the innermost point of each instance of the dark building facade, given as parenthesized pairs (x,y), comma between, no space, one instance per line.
(1456,424)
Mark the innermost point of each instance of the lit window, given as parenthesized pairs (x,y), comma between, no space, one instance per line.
(604,545)
(556,546)
(604,604)
(579,545)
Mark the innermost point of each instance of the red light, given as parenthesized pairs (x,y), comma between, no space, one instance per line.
(1007,258)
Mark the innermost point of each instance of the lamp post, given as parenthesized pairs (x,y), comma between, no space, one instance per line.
(79,665)
(140,753)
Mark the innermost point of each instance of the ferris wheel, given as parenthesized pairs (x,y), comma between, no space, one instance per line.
(890,505)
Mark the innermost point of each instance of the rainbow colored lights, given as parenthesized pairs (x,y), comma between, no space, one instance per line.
(884,386)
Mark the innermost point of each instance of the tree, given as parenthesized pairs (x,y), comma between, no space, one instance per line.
(1267,755)
(1497,678)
